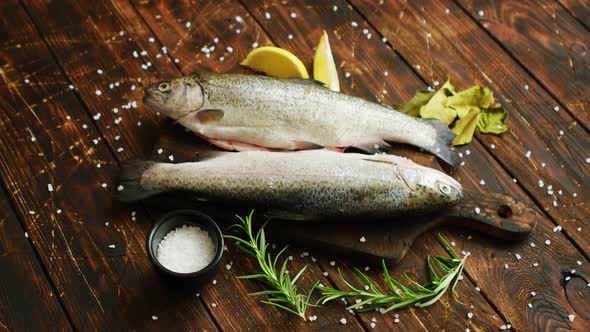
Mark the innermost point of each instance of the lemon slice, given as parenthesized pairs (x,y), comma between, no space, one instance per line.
(324,68)
(275,61)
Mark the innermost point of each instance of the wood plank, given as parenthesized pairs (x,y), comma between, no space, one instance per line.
(353,50)
(547,41)
(92,248)
(229,295)
(580,9)
(27,301)
(463,49)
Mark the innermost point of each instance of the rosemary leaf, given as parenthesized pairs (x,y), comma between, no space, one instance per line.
(401,296)
(282,289)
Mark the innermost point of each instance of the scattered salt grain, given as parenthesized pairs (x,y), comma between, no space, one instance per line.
(482,182)
(49,187)
(335,8)
(154,317)
(187,24)
(26,235)
(186,249)
(293,15)
(354,24)
(332,263)
(447,11)
(267,15)
(343,321)
(469,315)
(480,13)
(290,36)
(112,246)
(547,242)
(518,257)
(98,92)
(528,154)
(71,87)
(477,210)
(477,289)
(556,108)
(571,317)
(362,239)
(104,185)
(120,187)
(171,157)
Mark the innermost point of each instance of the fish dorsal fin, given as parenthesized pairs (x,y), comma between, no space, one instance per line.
(380,161)
(309,81)
(209,116)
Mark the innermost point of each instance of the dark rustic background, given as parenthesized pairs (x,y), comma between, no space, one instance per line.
(73,259)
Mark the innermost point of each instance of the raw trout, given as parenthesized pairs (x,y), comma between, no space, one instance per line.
(250,112)
(300,185)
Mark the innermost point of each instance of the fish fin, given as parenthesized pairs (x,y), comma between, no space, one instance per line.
(379,161)
(372,147)
(310,81)
(335,148)
(442,146)
(286,215)
(208,116)
(302,145)
(130,188)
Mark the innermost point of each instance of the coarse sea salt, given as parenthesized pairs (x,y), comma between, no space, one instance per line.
(186,249)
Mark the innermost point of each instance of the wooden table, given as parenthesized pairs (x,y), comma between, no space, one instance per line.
(72,71)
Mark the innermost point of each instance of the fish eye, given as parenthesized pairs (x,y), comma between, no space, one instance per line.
(445,188)
(164,86)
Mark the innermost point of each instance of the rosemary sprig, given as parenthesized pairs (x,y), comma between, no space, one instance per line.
(282,291)
(400,296)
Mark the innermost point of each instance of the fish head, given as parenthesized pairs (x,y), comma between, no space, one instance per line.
(434,187)
(175,98)
(441,185)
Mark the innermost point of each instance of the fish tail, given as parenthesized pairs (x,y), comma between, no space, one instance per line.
(442,145)
(130,188)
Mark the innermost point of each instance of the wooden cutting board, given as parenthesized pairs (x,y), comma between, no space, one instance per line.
(493,214)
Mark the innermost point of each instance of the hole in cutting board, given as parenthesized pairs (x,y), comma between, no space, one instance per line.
(505,211)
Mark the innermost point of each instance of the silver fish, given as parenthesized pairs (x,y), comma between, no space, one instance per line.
(250,112)
(300,185)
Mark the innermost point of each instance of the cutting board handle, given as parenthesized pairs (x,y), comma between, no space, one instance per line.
(495,214)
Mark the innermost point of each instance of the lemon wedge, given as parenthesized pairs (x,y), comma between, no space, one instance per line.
(324,68)
(275,61)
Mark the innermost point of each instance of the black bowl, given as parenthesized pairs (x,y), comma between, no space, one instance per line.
(176,219)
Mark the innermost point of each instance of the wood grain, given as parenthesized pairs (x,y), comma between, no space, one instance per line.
(419,48)
(547,41)
(27,301)
(92,249)
(580,9)
(555,160)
